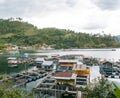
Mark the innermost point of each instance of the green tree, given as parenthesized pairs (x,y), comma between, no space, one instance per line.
(116,91)
(7,91)
(22,33)
(100,89)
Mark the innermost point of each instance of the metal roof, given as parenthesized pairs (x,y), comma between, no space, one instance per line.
(68,61)
(39,59)
(47,63)
(12,58)
(62,74)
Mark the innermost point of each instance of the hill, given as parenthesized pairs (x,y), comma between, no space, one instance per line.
(22,33)
(118,38)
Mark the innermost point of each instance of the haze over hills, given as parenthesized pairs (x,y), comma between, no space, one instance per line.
(21,33)
(118,38)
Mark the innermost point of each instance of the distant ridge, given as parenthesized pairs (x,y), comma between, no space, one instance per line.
(23,33)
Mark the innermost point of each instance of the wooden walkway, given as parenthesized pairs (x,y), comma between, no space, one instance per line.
(42,80)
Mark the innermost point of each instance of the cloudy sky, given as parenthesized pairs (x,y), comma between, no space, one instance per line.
(92,16)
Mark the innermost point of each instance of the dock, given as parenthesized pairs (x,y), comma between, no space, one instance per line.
(42,80)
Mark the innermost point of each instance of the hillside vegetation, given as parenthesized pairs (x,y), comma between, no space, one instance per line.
(118,38)
(21,33)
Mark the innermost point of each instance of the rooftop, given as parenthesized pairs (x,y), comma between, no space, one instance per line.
(62,74)
(47,63)
(79,66)
(68,61)
(39,59)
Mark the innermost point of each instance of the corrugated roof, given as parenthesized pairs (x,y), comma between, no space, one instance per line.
(63,74)
(47,63)
(68,61)
(39,59)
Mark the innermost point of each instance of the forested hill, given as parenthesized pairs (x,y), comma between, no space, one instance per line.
(21,33)
(118,38)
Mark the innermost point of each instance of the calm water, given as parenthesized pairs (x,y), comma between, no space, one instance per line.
(8,70)
(104,54)
(4,69)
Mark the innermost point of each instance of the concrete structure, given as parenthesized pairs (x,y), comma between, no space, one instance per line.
(67,64)
(66,83)
(82,74)
(65,78)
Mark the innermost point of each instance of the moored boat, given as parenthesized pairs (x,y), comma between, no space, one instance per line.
(12,62)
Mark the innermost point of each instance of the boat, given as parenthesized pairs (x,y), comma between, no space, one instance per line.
(113,49)
(12,62)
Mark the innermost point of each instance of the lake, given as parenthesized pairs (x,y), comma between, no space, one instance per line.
(108,54)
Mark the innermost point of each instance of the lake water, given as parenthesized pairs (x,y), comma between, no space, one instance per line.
(98,53)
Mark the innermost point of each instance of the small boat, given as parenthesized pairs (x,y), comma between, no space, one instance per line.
(12,62)
(113,49)
(12,65)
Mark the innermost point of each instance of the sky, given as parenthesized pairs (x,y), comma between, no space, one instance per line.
(91,16)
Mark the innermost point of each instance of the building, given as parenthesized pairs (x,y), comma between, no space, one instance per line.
(47,65)
(65,78)
(67,64)
(12,49)
(82,74)
(58,85)
(66,83)
(38,62)
(106,68)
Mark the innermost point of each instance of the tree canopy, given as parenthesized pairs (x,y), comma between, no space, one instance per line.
(22,33)
(101,89)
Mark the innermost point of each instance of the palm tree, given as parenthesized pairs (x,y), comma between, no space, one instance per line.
(116,91)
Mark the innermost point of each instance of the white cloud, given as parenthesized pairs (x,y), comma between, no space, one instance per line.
(79,15)
(2,1)
(107,4)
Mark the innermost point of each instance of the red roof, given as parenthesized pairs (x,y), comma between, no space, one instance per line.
(62,74)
